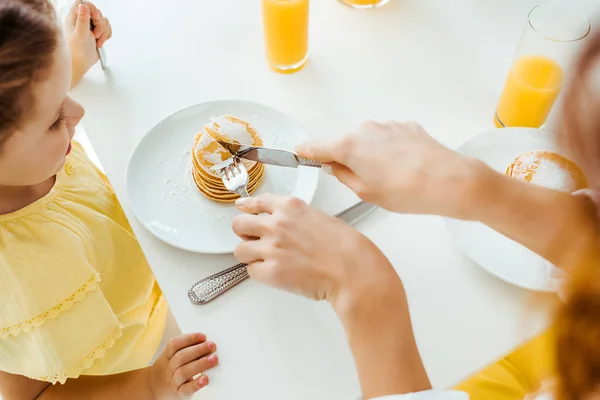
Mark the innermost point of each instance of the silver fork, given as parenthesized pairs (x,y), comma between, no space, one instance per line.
(235,178)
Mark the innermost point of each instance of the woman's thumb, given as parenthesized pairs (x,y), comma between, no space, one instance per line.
(324,152)
(82,23)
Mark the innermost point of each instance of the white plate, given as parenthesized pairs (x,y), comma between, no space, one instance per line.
(495,253)
(164,197)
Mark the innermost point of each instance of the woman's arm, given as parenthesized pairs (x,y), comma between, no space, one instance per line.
(558,226)
(376,319)
(352,274)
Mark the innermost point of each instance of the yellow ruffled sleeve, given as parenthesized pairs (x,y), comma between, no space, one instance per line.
(54,318)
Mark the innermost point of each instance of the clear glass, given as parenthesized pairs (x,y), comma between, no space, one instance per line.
(286,33)
(551,39)
(362,4)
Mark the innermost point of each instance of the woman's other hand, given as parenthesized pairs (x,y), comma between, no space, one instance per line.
(297,248)
(400,167)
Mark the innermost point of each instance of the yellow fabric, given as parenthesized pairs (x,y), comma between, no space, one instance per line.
(517,375)
(76,293)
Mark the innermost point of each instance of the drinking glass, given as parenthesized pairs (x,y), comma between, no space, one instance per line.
(552,37)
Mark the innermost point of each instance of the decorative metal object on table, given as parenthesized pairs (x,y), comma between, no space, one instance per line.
(265,155)
(211,287)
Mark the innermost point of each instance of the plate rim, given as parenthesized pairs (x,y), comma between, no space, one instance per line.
(182,110)
(449,221)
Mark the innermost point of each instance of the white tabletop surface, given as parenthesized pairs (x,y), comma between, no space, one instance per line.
(439,62)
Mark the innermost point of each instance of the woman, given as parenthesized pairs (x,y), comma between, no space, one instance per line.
(423,177)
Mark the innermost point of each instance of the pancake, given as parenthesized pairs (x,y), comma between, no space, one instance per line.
(208,157)
(548,169)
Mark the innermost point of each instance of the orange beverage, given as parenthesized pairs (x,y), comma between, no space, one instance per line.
(286,33)
(364,3)
(532,86)
(552,36)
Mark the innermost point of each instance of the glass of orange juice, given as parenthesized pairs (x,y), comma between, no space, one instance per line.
(364,3)
(286,33)
(552,36)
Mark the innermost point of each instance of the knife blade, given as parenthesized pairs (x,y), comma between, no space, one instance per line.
(211,287)
(265,155)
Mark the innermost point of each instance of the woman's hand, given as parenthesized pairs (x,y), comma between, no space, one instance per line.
(172,376)
(400,167)
(294,247)
(84,42)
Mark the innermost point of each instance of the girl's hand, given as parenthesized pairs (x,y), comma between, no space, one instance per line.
(173,374)
(294,247)
(83,42)
(400,167)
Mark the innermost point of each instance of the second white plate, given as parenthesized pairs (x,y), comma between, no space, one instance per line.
(162,193)
(495,253)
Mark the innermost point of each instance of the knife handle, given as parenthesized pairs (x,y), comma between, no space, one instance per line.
(306,162)
(213,286)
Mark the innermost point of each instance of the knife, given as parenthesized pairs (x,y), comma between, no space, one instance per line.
(209,288)
(101,52)
(265,155)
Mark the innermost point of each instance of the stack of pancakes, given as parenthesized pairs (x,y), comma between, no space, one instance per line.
(209,157)
(548,169)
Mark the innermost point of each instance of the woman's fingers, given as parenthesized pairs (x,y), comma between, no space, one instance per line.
(250,226)
(263,204)
(181,342)
(187,372)
(324,151)
(192,353)
(250,251)
(191,387)
(260,271)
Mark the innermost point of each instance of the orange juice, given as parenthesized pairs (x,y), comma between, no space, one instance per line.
(529,93)
(286,33)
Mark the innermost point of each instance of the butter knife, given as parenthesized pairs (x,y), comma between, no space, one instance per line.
(211,287)
(265,155)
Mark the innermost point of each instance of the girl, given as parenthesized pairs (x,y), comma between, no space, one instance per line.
(423,177)
(78,303)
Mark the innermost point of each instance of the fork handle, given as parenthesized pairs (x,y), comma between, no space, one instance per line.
(215,285)
(306,162)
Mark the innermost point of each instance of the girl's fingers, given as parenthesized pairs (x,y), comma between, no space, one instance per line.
(183,341)
(192,353)
(189,370)
(102,33)
(191,387)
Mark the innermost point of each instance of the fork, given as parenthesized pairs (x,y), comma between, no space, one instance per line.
(235,178)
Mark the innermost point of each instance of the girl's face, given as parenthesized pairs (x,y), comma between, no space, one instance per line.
(37,150)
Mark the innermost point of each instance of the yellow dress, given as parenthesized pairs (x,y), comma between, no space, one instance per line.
(518,375)
(77,296)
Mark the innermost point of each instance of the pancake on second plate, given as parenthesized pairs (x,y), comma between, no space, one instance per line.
(208,157)
(549,169)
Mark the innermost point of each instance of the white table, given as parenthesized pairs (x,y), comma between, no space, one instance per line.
(439,62)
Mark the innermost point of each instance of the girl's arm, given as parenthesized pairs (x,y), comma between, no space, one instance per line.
(171,377)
